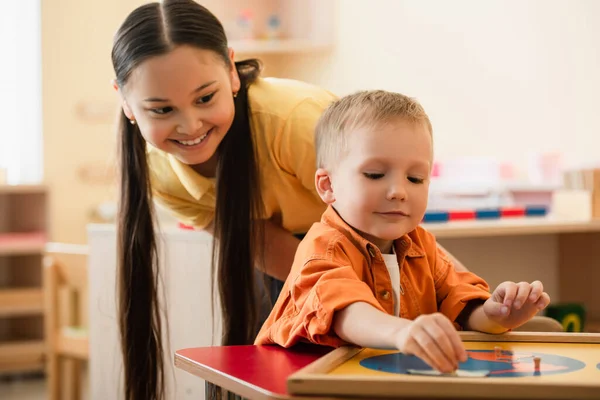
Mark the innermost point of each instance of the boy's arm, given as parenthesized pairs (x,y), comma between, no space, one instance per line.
(431,337)
(457,291)
(475,319)
(364,325)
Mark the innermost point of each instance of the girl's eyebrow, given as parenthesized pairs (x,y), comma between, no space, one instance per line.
(160,100)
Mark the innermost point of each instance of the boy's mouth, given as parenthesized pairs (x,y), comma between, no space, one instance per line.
(394,213)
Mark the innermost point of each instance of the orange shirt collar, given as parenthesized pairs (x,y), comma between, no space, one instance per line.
(402,245)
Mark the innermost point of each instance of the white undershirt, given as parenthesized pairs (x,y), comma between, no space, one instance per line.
(391,263)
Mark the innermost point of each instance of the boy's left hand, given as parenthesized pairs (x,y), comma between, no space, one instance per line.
(513,304)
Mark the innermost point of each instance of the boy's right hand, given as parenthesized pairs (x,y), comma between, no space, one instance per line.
(434,339)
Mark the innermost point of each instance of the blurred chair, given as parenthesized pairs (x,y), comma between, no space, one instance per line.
(540,324)
(65,286)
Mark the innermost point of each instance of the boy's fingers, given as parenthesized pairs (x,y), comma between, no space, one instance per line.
(523,292)
(537,288)
(543,301)
(419,352)
(496,309)
(442,343)
(454,339)
(510,292)
(431,348)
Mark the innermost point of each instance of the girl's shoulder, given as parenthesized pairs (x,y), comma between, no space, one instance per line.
(280,97)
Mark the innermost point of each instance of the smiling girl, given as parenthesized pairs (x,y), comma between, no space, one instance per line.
(224,151)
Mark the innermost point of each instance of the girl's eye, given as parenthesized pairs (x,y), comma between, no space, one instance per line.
(415,180)
(161,110)
(205,99)
(373,176)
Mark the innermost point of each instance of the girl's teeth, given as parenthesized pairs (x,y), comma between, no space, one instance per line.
(191,142)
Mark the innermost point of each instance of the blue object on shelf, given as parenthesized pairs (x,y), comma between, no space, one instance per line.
(436,216)
(487,214)
(536,211)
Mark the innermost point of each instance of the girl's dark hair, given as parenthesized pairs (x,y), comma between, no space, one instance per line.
(151,30)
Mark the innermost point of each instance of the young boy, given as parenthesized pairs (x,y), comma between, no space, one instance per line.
(368,274)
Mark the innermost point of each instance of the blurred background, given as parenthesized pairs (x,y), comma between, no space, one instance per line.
(510,87)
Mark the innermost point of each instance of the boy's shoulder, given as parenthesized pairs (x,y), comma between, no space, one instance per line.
(423,239)
(326,242)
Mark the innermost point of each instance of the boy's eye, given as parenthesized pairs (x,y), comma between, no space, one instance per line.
(161,110)
(415,180)
(373,176)
(205,99)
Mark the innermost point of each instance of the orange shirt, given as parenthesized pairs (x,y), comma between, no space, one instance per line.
(335,267)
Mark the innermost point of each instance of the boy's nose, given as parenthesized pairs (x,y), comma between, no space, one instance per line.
(397,192)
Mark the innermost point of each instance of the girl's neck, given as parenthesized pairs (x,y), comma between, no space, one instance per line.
(207,169)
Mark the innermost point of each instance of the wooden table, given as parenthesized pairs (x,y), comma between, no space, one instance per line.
(261,372)
(254,372)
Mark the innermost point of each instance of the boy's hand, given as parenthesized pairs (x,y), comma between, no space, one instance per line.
(434,339)
(513,304)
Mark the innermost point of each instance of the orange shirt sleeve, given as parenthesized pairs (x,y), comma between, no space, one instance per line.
(306,308)
(454,289)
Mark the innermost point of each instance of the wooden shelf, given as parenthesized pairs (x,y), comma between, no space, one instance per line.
(23,237)
(592,326)
(510,227)
(18,189)
(21,243)
(22,356)
(279,46)
(17,302)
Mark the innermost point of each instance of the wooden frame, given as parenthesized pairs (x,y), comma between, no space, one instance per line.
(65,281)
(312,380)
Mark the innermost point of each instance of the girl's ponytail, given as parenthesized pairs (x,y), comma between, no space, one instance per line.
(139,322)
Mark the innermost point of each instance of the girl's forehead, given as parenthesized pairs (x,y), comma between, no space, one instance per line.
(177,69)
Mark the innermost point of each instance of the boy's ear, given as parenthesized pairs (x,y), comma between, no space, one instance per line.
(324,186)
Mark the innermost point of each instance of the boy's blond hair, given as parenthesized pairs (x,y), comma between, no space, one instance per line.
(365,108)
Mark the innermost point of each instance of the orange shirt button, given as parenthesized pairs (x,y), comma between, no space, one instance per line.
(385,294)
(372,251)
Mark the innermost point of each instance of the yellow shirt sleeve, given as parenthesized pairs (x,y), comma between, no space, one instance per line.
(294,147)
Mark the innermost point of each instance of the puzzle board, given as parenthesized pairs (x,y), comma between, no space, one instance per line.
(570,368)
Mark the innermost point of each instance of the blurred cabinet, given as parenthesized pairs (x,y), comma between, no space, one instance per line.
(23,224)
(185,263)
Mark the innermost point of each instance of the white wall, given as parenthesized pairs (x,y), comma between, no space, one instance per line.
(500,78)
(20,92)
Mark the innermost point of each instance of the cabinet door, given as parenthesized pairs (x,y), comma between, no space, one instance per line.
(185,273)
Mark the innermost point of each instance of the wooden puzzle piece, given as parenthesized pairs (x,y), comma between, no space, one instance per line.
(459,373)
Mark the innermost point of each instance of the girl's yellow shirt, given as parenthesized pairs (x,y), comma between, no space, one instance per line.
(283,115)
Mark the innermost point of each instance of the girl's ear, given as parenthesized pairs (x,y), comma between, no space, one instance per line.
(127,111)
(235,78)
(124,104)
(324,186)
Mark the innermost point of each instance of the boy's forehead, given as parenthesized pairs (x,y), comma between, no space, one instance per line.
(392,129)
(386,139)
